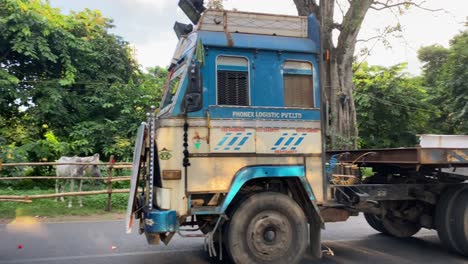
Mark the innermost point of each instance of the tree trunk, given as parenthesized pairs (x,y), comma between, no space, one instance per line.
(341,126)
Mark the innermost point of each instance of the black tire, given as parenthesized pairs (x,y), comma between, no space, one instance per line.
(267,228)
(392,227)
(443,217)
(459,222)
(400,228)
(375,222)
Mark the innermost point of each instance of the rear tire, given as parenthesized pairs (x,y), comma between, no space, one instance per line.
(460,222)
(400,228)
(446,210)
(375,222)
(392,227)
(267,228)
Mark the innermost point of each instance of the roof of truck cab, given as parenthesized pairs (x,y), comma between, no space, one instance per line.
(259,42)
(233,29)
(253,23)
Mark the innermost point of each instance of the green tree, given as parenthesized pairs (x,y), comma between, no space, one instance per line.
(445,74)
(457,82)
(215,4)
(434,58)
(67,85)
(342,20)
(392,107)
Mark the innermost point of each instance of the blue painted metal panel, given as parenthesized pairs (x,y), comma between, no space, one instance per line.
(160,221)
(313,32)
(232,68)
(265,74)
(298,71)
(257,113)
(259,42)
(269,171)
(313,29)
(268,80)
(209,75)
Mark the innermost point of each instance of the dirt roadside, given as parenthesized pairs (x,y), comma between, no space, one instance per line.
(72,218)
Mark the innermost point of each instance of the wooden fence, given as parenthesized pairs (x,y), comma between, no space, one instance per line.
(110,166)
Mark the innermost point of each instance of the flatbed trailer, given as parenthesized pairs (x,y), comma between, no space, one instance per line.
(444,164)
(406,157)
(404,165)
(410,188)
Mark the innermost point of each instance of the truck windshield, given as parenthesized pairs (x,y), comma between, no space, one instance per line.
(182,54)
(173,86)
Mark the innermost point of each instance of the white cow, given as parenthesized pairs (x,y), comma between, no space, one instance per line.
(75,171)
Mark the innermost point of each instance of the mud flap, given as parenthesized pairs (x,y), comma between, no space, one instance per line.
(137,154)
(315,240)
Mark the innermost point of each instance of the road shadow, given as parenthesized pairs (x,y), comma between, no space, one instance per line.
(376,248)
(383,249)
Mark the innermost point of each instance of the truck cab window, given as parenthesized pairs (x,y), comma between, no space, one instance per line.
(173,86)
(298,84)
(232,75)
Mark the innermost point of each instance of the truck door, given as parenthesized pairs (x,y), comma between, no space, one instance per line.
(232,118)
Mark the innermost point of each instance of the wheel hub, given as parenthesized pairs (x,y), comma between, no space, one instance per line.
(270,234)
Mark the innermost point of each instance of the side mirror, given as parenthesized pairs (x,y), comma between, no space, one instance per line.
(192,8)
(193,100)
(182,29)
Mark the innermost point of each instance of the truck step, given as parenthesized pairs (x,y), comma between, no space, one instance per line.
(205,210)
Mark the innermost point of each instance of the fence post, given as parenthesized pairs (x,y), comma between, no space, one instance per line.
(110,168)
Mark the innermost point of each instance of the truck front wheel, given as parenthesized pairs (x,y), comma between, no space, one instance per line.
(267,228)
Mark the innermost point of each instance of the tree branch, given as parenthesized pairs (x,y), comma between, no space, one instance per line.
(341,8)
(369,39)
(307,7)
(351,25)
(337,26)
(381,6)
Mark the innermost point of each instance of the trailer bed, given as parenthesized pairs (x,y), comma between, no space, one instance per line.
(405,157)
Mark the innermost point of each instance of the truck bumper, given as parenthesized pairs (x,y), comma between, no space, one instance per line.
(159,223)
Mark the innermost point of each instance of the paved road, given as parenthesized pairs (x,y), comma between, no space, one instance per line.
(91,242)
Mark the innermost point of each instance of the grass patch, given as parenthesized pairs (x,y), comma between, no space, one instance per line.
(92,204)
(367,172)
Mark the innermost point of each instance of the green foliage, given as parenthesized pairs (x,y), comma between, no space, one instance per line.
(392,107)
(434,56)
(215,4)
(67,85)
(445,74)
(367,172)
(457,82)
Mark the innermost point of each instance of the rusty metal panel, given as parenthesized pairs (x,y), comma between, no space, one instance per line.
(444,156)
(254,23)
(330,214)
(443,141)
(405,156)
(379,156)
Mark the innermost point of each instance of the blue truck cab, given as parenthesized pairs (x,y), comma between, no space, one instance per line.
(239,123)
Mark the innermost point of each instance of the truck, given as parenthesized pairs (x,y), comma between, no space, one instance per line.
(236,151)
